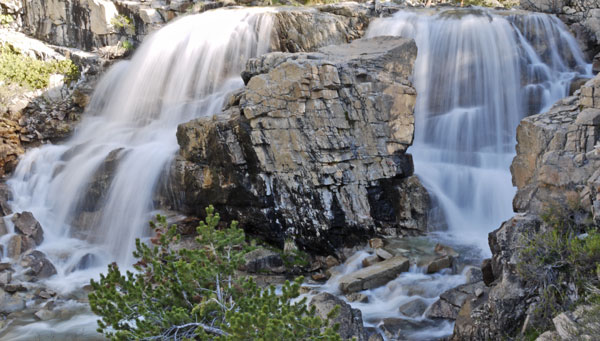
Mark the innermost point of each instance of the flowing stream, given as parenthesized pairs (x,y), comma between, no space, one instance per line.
(93,195)
(478,72)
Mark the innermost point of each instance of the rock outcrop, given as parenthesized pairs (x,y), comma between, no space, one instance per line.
(304,30)
(557,166)
(312,149)
(91,24)
(558,159)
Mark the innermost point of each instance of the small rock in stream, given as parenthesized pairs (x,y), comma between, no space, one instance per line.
(5,278)
(381,253)
(11,303)
(357,297)
(439,264)
(370,260)
(375,275)
(350,320)
(39,266)
(26,224)
(414,308)
(473,274)
(14,287)
(262,260)
(376,243)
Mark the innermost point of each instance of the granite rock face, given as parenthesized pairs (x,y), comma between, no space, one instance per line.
(558,156)
(557,166)
(306,30)
(91,24)
(312,149)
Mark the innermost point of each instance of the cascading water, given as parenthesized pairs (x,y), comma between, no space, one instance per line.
(477,74)
(123,146)
(93,195)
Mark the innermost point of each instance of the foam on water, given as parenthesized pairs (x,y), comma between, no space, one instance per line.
(93,195)
(477,74)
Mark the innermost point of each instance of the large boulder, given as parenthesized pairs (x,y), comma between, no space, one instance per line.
(350,320)
(450,302)
(312,149)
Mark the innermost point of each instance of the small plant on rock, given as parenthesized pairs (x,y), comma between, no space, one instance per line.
(32,73)
(179,293)
(6,20)
(560,262)
(121,22)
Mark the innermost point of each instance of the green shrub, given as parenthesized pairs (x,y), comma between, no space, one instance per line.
(32,73)
(121,22)
(127,45)
(195,294)
(560,262)
(6,20)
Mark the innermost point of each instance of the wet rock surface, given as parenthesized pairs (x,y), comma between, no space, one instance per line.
(37,265)
(26,224)
(557,154)
(375,275)
(451,301)
(88,25)
(313,148)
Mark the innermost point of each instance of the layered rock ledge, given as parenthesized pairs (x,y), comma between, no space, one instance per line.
(87,24)
(557,167)
(312,149)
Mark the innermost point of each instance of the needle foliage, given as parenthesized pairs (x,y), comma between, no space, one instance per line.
(194,293)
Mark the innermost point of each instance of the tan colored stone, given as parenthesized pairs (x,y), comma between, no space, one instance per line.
(374,276)
(376,243)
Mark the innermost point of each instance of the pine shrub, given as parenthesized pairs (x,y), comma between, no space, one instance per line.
(177,293)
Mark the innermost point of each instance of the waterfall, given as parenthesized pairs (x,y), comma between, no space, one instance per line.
(93,195)
(477,74)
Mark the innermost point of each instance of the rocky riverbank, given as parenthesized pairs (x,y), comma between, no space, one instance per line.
(557,168)
(310,153)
